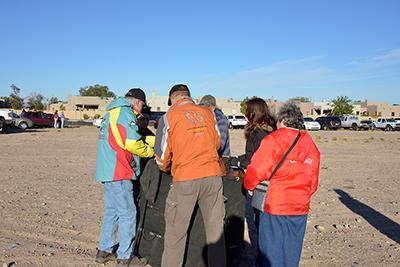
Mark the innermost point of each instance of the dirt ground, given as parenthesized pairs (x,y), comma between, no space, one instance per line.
(51,207)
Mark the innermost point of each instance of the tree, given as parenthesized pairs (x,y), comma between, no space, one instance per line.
(35,101)
(96,90)
(15,100)
(300,99)
(243,105)
(342,106)
(53,100)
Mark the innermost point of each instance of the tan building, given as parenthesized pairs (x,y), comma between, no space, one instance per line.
(378,109)
(160,103)
(82,107)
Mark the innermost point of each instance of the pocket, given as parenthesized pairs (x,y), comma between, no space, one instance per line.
(171,206)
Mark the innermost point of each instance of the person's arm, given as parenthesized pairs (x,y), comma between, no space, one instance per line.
(223,126)
(262,163)
(125,131)
(162,146)
(315,168)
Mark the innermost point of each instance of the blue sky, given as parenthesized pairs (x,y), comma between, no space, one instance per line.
(314,48)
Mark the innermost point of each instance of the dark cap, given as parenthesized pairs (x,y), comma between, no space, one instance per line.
(136,93)
(177,88)
(208,100)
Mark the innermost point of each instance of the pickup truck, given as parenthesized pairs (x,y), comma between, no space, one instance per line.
(237,121)
(387,124)
(350,122)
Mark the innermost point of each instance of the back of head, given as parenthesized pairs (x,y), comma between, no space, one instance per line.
(178,90)
(292,116)
(136,93)
(208,100)
(258,115)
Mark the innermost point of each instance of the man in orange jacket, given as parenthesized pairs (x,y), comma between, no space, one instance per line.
(187,142)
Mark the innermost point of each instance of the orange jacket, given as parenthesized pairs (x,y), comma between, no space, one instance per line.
(290,189)
(188,139)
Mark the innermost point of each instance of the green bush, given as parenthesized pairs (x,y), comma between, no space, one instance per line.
(85,116)
(96,116)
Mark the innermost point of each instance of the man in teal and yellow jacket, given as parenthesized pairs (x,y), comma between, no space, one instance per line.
(120,148)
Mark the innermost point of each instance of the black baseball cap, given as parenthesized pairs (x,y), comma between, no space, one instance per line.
(136,93)
(177,88)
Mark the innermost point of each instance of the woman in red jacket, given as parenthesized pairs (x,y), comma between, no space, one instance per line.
(283,221)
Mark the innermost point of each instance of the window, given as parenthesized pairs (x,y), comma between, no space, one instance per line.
(393,114)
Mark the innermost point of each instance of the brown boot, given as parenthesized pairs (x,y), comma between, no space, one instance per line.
(104,256)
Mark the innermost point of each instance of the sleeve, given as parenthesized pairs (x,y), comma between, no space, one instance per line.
(162,147)
(315,169)
(261,164)
(244,160)
(132,140)
(223,126)
(218,133)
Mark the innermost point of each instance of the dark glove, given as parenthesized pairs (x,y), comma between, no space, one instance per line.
(234,162)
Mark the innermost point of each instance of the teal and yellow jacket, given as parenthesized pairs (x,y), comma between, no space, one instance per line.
(120,146)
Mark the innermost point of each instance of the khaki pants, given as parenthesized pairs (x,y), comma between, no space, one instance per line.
(181,200)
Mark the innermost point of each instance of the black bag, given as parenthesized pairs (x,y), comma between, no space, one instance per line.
(150,235)
(260,192)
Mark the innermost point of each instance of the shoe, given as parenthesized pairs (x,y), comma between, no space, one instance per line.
(138,262)
(123,262)
(104,256)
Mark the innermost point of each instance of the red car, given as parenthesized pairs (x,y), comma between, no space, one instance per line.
(40,118)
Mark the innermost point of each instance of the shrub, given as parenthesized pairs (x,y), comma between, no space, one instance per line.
(85,116)
(96,116)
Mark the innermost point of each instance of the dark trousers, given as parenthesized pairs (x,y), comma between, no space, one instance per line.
(281,240)
(252,219)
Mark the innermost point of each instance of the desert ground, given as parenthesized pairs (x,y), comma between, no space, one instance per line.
(51,207)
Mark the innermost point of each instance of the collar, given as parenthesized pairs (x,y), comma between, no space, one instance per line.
(184,100)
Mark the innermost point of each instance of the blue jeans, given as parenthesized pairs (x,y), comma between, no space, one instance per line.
(252,218)
(119,212)
(281,239)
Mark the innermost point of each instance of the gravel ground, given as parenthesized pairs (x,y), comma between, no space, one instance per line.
(51,207)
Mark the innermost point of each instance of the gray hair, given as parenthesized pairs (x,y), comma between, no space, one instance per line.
(291,114)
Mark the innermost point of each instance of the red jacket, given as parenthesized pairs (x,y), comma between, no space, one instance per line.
(296,180)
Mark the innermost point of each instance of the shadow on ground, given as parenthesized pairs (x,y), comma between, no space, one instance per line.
(379,221)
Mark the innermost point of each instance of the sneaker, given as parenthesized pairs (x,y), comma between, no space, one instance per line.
(104,256)
(138,262)
(123,262)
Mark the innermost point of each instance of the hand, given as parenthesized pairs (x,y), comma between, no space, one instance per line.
(250,192)
(233,161)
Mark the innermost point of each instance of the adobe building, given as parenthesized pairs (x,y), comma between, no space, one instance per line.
(81,107)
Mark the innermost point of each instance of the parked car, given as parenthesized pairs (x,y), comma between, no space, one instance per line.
(387,124)
(40,118)
(237,121)
(21,122)
(397,120)
(350,122)
(7,115)
(329,122)
(367,124)
(3,125)
(310,124)
(98,122)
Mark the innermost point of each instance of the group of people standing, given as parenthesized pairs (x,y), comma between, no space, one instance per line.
(192,142)
(59,119)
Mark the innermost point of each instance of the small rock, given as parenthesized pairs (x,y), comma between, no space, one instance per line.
(346,226)
(320,228)
(44,204)
(358,220)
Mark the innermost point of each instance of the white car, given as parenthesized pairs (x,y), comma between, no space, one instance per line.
(7,116)
(98,122)
(311,125)
(237,121)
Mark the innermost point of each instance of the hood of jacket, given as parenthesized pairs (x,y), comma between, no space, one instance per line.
(119,102)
